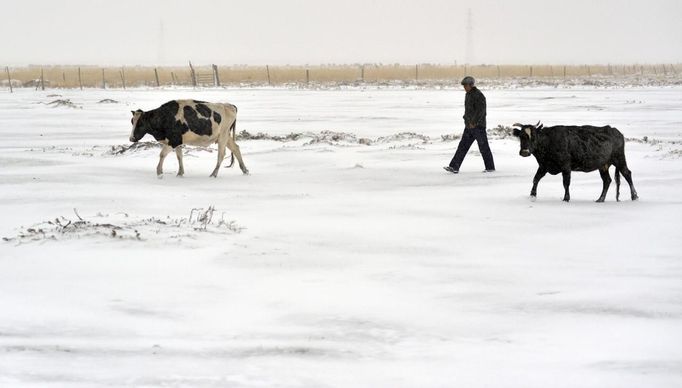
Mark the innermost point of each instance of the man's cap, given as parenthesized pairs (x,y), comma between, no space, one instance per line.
(468,80)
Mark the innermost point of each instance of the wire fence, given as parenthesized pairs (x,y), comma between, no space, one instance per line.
(212,75)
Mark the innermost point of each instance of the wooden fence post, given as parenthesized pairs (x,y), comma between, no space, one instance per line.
(42,79)
(530,71)
(156,76)
(362,73)
(416,73)
(80,81)
(104,82)
(216,76)
(307,76)
(9,78)
(193,74)
(564,71)
(123,77)
(267,70)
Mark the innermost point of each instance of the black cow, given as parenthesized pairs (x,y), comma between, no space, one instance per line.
(562,149)
(191,122)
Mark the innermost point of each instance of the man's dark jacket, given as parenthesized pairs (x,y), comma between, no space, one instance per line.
(474,108)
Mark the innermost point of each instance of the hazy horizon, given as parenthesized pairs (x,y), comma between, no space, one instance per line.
(300,32)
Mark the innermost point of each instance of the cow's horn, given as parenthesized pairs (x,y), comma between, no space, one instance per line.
(537,123)
(517,125)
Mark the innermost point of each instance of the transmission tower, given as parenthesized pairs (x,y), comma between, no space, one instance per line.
(469,51)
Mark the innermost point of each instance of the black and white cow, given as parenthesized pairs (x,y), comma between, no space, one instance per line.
(190,122)
(562,149)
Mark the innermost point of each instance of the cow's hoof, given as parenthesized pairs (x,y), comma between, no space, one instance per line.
(567,200)
(533,198)
(159,176)
(180,175)
(246,172)
(635,197)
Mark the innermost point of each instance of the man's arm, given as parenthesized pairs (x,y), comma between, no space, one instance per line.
(469,111)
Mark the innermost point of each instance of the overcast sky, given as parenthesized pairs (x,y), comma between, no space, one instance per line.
(227,32)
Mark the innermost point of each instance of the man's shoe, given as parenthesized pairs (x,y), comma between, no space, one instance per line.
(450,169)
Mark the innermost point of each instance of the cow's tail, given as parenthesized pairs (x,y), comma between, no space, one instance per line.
(617,183)
(233,129)
(619,162)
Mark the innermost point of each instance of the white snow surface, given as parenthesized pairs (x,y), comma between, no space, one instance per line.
(352,265)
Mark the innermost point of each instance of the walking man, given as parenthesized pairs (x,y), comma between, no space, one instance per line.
(474,129)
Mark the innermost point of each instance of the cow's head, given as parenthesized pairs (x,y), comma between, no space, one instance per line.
(525,133)
(138,131)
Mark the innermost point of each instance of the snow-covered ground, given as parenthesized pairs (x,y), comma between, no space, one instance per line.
(336,264)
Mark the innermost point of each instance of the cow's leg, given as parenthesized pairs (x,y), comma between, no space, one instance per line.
(164,152)
(606,179)
(234,148)
(221,155)
(566,174)
(627,174)
(538,175)
(181,167)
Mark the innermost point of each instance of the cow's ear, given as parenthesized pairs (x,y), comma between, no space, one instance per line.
(133,112)
(517,132)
